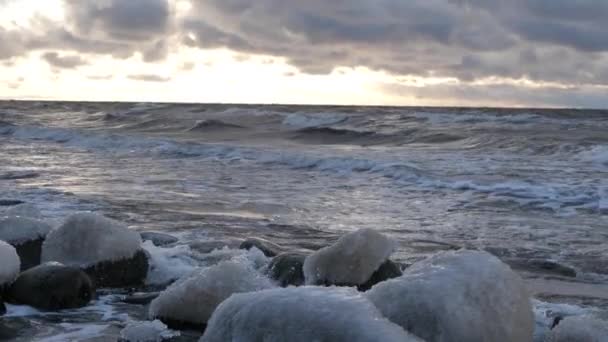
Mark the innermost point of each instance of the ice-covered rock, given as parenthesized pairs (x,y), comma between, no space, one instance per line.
(26,235)
(152,331)
(306,313)
(286,269)
(580,329)
(9,264)
(350,261)
(458,296)
(106,249)
(52,286)
(191,301)
(388,270)
(24,210)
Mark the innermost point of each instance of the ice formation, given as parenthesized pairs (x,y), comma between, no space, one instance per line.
(307,313)
(24,210)
(194,298)
(350,261)
(86,239)
(153,331)
(580,329)
(17,230)
(458,296)
(9,265)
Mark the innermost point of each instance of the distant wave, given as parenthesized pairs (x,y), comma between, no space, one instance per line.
(335,135)
(211,124)
(301,121)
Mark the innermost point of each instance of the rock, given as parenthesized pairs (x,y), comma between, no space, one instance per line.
(158,239)
(286,269)
(9,265)
(269,249)
(387,271)
(351,261)
(458,296)
(122,273)
(107,250)
(2,307)
(579,329)
(52,287)
(26,235)
(141,298)
(24,210)
(190,302)
(302,314)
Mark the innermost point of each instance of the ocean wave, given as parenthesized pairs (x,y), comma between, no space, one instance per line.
(301,120)
(597,155)
(211,124)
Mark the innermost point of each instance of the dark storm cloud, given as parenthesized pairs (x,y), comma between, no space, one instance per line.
(563,41)
(149,78)
(64,62)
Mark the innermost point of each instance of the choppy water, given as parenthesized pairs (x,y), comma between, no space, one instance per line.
(523,184)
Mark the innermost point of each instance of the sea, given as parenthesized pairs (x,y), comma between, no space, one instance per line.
(527,185)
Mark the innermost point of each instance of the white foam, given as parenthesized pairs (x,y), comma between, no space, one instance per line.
(458,296)
(17,230)
(168,264)
(10,263)
(86,239)
(351,260)
(301,120)
(597,155)
(76,332)
(152,331)
(303,314)
(580,329)
(194,298)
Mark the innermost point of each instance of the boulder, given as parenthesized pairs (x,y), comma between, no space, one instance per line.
(190,301)
(158,239)
(351,261)
(52,286)
(153,331)
(458,296)
(286,269)
(269,249)
(386,271)
(2,307)
(302,314)
(9,265)
(26,235)
(105,249)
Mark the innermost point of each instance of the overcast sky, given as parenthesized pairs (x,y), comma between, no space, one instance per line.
(409,52)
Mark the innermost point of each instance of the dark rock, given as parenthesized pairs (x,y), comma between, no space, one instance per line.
(9,203)
(269,249)
(542,266)
(556,321)
(29,253)
(52,287)
(121,273)
(141,298)
(158,239)
(286,268)
(2,307)
(386,271)
(182,325)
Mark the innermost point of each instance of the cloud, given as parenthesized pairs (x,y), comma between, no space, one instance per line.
(64,62)
(149,78)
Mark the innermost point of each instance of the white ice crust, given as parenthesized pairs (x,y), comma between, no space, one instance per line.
(17,230)
(580,329)
(23,210)
(351,260)
(194,298)
(151,331)
(458,296)
(86,239)
(9,263)
(301,314)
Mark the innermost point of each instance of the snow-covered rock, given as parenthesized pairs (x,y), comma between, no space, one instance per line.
(580,329)
(9,264)
(24,210)
(350,261)
(106,249)
(152,331)
(307,313)
(193,299)
(458,296)
(26,235)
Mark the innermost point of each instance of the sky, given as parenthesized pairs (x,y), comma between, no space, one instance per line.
(541,53)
